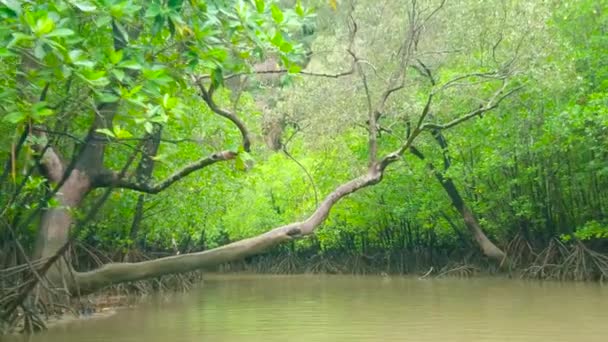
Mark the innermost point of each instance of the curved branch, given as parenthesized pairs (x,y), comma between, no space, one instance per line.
(494,101)
(310,178)
(113,179)
(207,96)
(115,273)
(285,71)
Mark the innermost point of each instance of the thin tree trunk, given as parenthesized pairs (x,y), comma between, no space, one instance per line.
(488,248)
(143,175)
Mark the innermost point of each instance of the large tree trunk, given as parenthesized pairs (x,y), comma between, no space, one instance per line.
(76,181)
(488,248)
(55,222)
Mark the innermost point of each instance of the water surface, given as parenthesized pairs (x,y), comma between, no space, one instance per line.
(343,308)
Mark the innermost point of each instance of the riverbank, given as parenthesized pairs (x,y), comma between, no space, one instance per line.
(558,261)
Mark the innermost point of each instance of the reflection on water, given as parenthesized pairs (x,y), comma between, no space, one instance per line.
(343,308)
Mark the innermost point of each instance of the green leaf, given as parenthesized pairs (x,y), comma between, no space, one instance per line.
(169,102)
(39,50)
(84,5)
(239,163)
(116,56)
(85,63)
(122,133)
(120,31)
(95,78)
(277,40)
(217,77)
(75,54)
(4,52)
(260,5)
(107,98)
(13,5)
(277,14)
(148,127)
(106,132)
(103,21)
(17,37)
(175,4)
(133,65)
(43,26)
(153,10)
(159,21)
(299,10)
(286,47)
(14,117)
(294,68)
(61,32)
(119,74)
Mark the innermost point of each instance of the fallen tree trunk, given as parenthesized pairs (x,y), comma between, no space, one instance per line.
(114,273)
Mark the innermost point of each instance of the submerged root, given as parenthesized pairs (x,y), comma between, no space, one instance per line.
(460,271)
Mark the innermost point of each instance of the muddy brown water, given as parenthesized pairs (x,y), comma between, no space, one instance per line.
(349,308)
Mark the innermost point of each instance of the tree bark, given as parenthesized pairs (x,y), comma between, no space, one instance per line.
(143,175)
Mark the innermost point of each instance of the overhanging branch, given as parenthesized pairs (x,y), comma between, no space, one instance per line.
(491,104)
(207,95)
(112,178)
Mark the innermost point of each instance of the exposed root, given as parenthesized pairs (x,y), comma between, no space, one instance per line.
(289,264)
(575,262)
(358,264)
(426,274)
(520,251)
(321,264)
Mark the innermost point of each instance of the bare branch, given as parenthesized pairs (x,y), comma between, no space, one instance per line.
(428,17)
(425,71)
(112,179)
(285,71)
(409,46)
(491,104)
(372,126)
(207,96)
(487,75)
(310,178)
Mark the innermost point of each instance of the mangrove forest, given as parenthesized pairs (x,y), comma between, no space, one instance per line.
(283,147)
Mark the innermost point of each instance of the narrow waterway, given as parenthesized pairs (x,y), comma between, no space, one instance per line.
(343,308)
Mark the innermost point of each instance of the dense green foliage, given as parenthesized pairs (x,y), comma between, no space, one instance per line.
(535,168)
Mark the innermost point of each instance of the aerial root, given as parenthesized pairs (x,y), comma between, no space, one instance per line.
(561,262)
